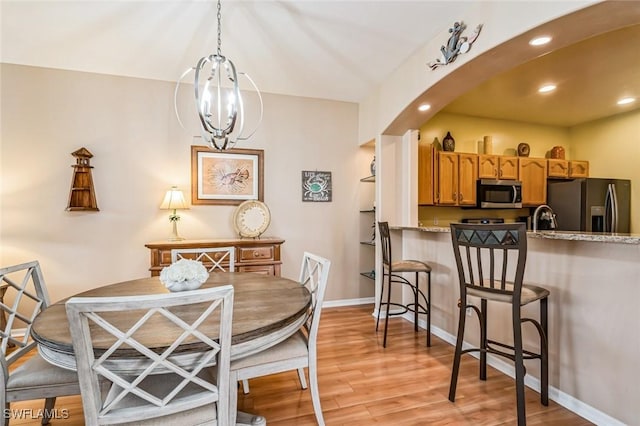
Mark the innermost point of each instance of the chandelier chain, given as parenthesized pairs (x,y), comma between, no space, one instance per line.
(219,29)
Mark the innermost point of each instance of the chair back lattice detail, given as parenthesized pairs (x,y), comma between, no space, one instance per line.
(183,386)
(314,275)
(25,295)
(491,259)
(218,259)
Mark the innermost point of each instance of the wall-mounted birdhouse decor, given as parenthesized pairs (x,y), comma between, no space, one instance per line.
(82,196)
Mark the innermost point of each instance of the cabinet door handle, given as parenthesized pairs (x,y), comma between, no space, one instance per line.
(495,172)
(460,197)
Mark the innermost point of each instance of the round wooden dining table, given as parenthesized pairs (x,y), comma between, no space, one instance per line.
(266,310)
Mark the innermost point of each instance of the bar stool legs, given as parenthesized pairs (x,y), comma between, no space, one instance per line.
(421,303)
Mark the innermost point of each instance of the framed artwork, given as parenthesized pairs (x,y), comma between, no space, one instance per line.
(226,177)
(316,186)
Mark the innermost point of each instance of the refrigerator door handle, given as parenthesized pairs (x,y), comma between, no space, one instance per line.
(614,209)
(608,211)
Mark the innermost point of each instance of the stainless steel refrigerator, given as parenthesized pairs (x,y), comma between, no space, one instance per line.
(591,205)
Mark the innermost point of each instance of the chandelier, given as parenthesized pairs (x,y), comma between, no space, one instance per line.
(218,99)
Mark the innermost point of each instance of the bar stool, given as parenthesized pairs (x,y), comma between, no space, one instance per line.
(390,271)
(485,256)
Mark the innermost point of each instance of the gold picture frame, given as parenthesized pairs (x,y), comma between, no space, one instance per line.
(226,177)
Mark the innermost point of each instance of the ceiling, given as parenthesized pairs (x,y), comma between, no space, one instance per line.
(338,50)
(590,77)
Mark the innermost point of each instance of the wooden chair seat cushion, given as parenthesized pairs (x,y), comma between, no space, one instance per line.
(530,293)
(294,347)
(36,373)
(409,266)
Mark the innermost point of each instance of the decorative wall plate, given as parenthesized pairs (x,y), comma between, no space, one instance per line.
(251,218)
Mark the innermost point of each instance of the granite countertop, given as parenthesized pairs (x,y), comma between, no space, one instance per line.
(548,235)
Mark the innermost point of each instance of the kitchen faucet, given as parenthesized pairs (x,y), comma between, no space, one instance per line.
(550,213)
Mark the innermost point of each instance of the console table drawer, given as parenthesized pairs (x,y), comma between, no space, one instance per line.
(256,253)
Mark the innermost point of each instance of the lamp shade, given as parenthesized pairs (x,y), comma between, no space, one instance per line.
(174,200)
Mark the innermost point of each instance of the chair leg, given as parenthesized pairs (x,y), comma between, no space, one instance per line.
(49,405)
(380,303)
(315,393)
(233,398)
(245,386)
(416,303)
(386,318)
(483,339)
(544,354)
(519,365)
(428,309)
(458,352)
(4,419)
(303,380)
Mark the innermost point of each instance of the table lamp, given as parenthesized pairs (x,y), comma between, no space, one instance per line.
(174,200)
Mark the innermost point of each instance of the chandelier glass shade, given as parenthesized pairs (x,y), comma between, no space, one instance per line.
(218,99)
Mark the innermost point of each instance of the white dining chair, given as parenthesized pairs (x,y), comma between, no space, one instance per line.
(25,296)
(218,259)
(298,351)
(157,385)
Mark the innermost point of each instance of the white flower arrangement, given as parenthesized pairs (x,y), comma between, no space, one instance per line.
(185,274)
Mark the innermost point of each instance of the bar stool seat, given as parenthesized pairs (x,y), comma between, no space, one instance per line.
(410,266)
(391,269)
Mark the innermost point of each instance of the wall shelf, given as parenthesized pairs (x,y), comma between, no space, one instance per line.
(369,275)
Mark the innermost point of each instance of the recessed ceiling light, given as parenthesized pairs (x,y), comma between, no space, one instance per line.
(625,101)
(547,88)
(424,107)
(539,41)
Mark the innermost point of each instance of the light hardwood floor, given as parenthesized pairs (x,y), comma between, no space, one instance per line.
(362,384)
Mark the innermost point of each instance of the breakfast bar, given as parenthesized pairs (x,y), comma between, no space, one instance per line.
(594,280)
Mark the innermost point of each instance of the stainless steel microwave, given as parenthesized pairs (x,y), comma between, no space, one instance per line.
(499,194)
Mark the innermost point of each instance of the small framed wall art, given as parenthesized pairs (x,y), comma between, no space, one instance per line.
(316,186)
(226,177)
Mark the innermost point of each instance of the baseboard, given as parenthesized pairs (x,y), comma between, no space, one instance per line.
(348,302)
(567,401)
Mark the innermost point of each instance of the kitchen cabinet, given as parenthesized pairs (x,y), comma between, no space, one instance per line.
(456,179)
(532,172)
(578,169)
(497,167)
(567,169)
(557,168)
(426,169)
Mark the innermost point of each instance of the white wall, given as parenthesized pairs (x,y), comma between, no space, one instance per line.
(139,152)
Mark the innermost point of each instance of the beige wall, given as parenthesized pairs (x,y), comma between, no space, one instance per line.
(139,152)
(506,135)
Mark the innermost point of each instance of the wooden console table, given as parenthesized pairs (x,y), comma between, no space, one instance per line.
(252,255)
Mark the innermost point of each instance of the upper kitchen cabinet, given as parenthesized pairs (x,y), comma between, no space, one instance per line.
(567,169)
(426,169)
(533,175)
(578,169)
(456,179)
(497,167)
